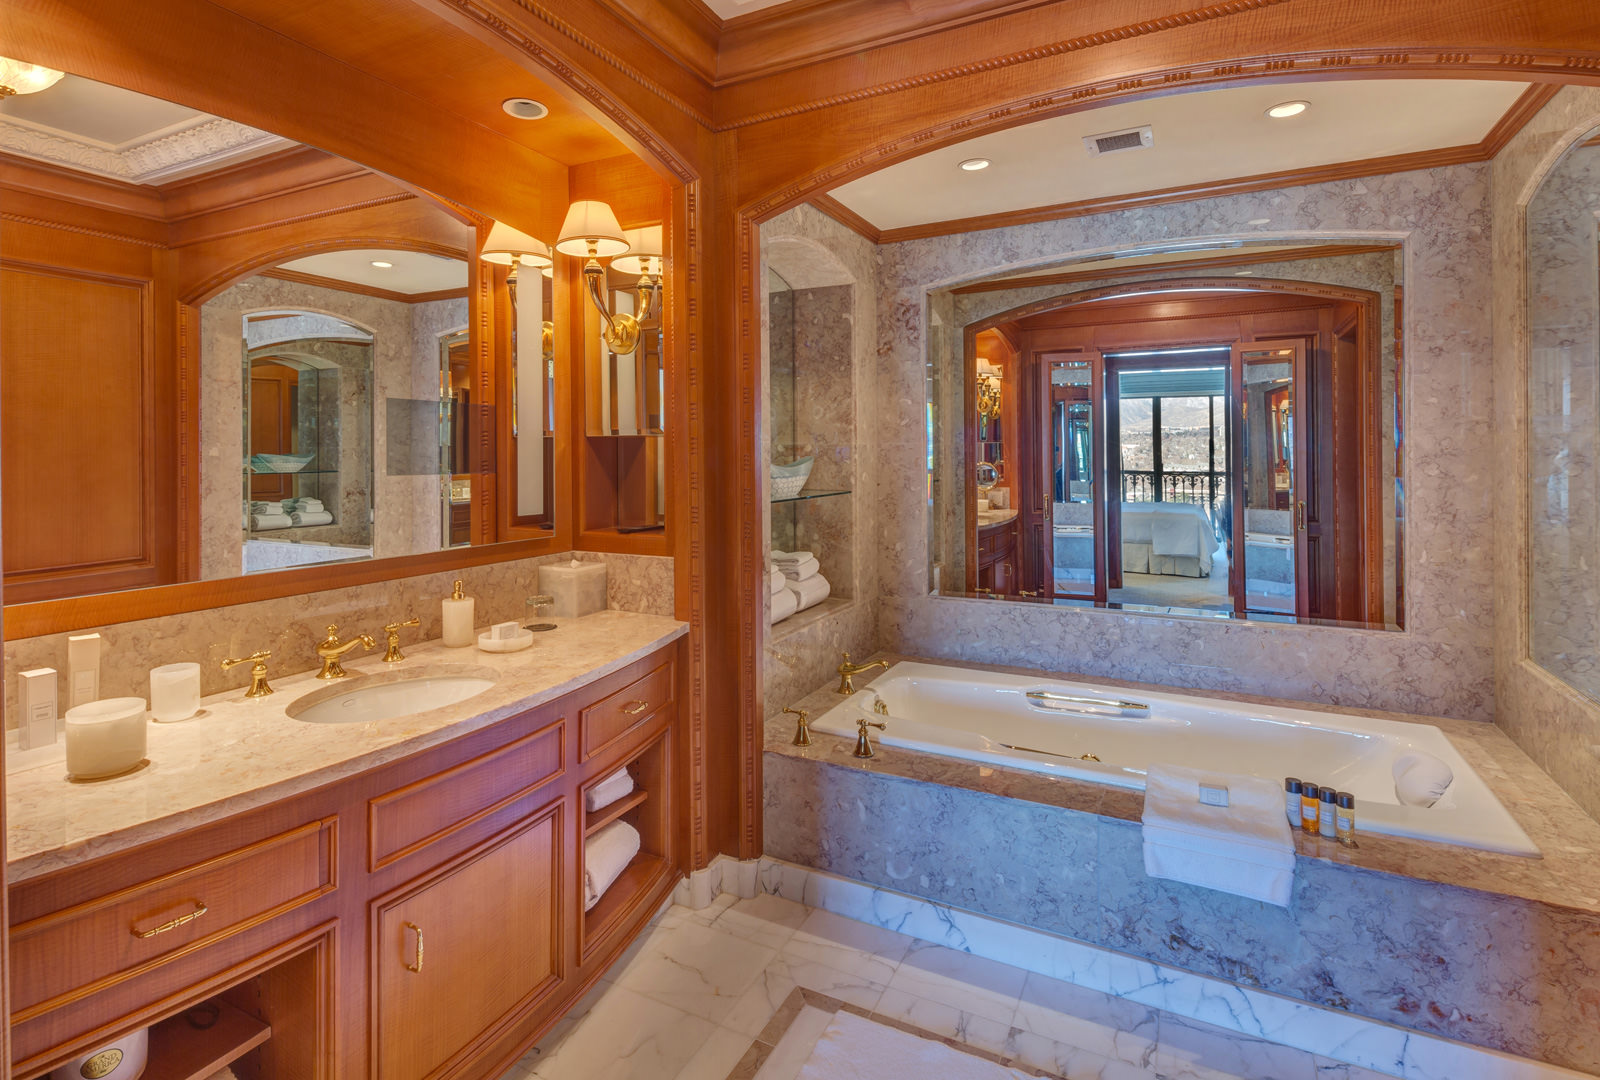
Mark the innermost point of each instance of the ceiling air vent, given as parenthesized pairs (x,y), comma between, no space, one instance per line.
(1112,142)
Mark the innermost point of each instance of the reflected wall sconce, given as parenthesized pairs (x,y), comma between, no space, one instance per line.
(988,397)
(591,232)
(17,77)
(509,246)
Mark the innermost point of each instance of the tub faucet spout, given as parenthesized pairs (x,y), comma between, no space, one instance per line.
(847,672)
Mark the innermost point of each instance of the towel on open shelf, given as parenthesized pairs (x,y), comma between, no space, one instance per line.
(810,592)
(784,604)
(781,559)
(616,786)
(775,580)
(1242,848)
(606,855)
(320,517)
(261,522)
(801,570)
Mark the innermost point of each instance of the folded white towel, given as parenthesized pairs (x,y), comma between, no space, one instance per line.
(260,507)
(802,570)
(311,517)
(616,786)
(1243,848)
(606,855)
(1420,779)
(810,592)
(270,521)
(775,580)
(789,558)
(304,504)
(784,604)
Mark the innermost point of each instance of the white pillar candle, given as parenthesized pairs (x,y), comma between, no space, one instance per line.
(105,738)
(174,692)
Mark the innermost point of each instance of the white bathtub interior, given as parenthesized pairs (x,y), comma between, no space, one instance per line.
(1111,736)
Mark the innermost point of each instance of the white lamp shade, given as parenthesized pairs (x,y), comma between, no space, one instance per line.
(507,245)
(24,78)
(644,252)
(591,224)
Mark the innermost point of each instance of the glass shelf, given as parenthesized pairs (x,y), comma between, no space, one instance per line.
(804,495)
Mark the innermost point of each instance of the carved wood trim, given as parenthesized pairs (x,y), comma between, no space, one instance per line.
(261,261)
(276,223)
(365,290)
(1516,117)
(1242,258)
(103,234)
(1177,284)
(847,217)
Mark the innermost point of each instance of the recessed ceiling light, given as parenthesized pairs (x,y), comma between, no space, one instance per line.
(525,108)
(1285,109)
(975,164)
(382,265)
(1259,221)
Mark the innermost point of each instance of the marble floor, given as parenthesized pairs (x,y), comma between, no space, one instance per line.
(697,997)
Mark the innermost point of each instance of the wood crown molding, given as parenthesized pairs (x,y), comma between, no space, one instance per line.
(1521,111)
(321,282)
(1238,258)
(847,217)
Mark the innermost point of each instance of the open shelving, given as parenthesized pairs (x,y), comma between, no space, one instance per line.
(646,809)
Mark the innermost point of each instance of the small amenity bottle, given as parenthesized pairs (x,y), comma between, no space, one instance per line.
(1325,817)
(1291,800)
(1310,807)
(1344,822)
(458,615)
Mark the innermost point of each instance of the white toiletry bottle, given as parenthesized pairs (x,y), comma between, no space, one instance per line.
(458,613)
(83,669)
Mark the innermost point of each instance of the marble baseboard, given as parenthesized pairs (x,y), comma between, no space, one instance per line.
(1254,1015)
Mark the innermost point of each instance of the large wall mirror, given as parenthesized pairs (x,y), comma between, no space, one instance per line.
(1563,277)
(228,354)
(1212,430)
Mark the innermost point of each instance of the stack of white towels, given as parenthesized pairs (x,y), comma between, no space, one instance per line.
(795,582)
(307,512)
(1218,831)
(269,515)
(608,852)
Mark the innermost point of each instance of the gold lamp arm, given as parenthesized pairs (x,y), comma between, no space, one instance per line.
(621,331)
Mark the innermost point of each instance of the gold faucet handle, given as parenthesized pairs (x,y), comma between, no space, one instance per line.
(802,733)
(258,671)
(393,655)
(863,742)
(333,635)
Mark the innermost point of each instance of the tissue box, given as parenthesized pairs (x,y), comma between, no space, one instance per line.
(575,589)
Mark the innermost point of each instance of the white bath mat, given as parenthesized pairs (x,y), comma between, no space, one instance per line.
(853,1048)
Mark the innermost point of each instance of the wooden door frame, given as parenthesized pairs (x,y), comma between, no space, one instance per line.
(1297,518)
(1098,458)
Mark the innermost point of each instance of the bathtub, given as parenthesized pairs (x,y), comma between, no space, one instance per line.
(1061,728)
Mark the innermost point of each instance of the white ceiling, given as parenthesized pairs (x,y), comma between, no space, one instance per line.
(1201,136)
(413,271)
(732,9)
(108,131)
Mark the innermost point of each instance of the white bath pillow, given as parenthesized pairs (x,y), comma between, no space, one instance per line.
(1420,779)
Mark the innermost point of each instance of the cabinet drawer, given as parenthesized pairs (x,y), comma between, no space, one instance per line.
(609,719)
(83,949)
(412,817)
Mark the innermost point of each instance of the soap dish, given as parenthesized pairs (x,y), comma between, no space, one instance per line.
(521,641)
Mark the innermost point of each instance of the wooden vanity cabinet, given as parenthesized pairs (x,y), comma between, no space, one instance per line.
(423,920)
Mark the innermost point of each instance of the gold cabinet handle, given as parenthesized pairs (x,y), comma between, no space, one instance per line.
(634,708)
(417,967)
(199,910)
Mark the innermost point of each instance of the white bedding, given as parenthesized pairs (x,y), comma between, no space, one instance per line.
(1157,538)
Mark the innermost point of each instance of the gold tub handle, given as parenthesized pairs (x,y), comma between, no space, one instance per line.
(417,967)
(199,910)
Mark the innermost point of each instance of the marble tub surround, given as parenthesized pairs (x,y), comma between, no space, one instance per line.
(1555,721)
(712,993)
(246,753)
(835,418)
(1495,950)
(291,626)
(1441,664)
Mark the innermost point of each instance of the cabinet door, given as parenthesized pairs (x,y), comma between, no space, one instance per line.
(458,952)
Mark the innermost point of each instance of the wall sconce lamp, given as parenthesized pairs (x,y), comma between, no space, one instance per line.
(591,231)
(508,246)
(988,396)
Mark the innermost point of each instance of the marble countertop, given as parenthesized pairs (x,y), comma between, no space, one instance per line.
(1567,875)
(987,518)
(240,754)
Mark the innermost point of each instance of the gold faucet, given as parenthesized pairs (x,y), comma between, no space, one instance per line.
(258,672)
(864,744)
(802,734)
(393,655)
(847,671)
(331,649)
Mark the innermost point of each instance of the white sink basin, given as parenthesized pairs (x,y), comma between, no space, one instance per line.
(386,697)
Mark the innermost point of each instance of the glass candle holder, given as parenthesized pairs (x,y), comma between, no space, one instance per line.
(105,738)
(174,692)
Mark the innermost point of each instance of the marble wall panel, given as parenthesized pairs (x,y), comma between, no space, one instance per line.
(1545,601)
(291,626)
(1498,972)
(1441,663)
